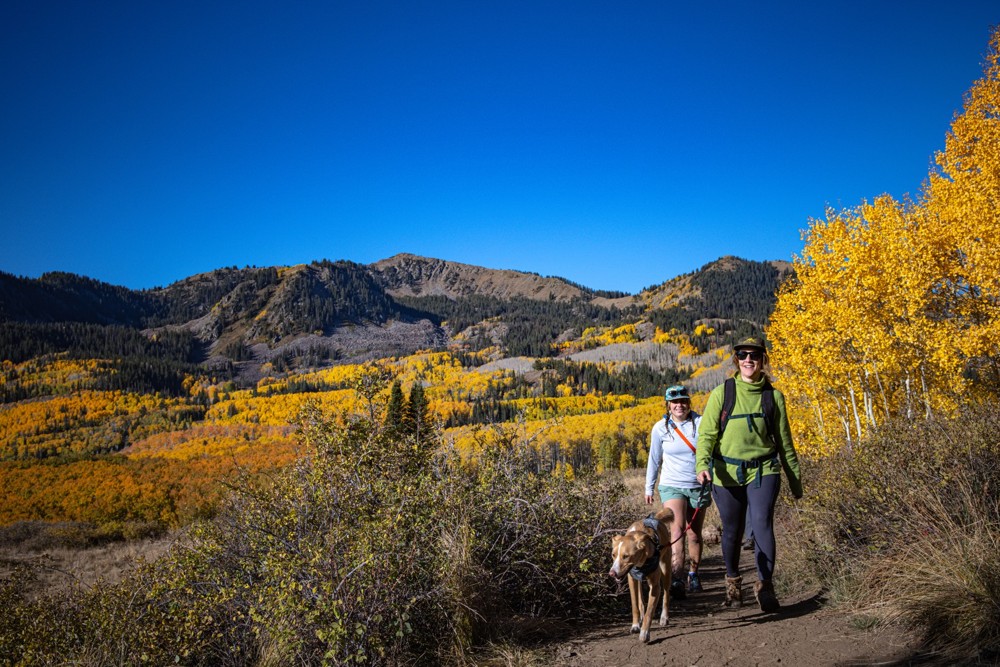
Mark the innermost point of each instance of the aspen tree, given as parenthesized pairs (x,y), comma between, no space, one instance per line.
(897,304)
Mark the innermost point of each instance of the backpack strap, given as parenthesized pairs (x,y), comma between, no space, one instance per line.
(742,466)
(766,406)
(728,403)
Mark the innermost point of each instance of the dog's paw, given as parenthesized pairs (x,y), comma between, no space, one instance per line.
(635,629)
(644,637)
(664,620)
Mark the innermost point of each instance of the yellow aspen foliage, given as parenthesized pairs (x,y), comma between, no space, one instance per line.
(630,424)
(564,470)
(661,337)
(963,212)
(685,348)
(894,309)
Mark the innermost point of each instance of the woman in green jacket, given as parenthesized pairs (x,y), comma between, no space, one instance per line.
(743,455)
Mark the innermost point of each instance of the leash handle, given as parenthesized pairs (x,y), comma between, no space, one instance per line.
(701,494)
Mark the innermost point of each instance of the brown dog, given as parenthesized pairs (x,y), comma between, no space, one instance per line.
(643,553)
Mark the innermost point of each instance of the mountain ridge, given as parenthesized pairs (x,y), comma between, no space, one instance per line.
(329,310)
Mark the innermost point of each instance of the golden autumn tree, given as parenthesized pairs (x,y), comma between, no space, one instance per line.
(893,308)
(850,331)
(963,210)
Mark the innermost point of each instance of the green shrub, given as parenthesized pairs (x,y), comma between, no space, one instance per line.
(375,547)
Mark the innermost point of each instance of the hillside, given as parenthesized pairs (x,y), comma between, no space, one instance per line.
(411,275)
(120,407)
(315,314)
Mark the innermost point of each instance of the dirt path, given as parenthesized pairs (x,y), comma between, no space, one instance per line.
(704,633)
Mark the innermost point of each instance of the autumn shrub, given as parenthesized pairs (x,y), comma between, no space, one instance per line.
(541,539)
(905,526)
(33,630)
(375,547)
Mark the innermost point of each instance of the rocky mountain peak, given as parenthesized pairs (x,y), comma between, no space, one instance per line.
(412,275)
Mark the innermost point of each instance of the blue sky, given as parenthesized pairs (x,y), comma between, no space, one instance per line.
(616,144)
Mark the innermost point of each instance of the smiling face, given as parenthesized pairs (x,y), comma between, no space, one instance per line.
(678,410)
(750,362)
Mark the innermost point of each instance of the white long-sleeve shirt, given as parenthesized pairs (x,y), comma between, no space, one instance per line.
(677,459)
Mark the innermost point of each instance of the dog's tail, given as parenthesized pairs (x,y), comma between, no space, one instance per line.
(665,514)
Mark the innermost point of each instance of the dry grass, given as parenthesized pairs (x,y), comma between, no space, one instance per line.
(509,655)
(944,580)
(905,529)
(60,559)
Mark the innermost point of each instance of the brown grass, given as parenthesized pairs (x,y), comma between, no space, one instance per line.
(904,528)
(944,578)
(61,558)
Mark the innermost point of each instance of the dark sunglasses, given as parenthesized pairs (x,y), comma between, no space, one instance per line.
(755,355)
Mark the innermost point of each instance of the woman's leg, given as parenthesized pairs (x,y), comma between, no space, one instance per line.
(732,503)
(679,507)
(761,500)
(694,537)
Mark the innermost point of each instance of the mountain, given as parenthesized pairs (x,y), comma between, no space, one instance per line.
(730,293)
(66,297)
(413,276)
(234,320)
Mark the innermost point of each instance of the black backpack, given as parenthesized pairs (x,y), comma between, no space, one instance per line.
(766,404)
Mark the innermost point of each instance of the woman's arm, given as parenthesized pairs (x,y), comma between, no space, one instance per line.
(786,448)
(653,463)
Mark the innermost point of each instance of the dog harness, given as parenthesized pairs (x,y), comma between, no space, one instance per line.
(640,572)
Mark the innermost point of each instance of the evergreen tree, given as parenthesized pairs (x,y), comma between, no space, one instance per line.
(416,411)
(394,411)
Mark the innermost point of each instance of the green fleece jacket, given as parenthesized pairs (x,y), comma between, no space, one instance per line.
(746,438)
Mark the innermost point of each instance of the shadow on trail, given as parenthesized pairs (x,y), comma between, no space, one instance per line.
(703,612)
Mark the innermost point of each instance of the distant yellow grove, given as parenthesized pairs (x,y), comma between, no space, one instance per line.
(176,450)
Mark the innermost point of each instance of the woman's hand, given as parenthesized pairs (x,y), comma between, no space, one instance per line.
(704,477)
(649,500)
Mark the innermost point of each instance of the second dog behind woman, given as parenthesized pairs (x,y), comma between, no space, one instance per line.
(672,455)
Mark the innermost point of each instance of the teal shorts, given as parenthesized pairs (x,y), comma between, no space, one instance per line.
(695,497)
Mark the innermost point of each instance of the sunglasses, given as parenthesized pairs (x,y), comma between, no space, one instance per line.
(755,355)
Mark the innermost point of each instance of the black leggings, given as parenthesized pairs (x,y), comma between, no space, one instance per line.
(732,502)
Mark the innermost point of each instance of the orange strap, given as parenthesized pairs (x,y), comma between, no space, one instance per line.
(679,432)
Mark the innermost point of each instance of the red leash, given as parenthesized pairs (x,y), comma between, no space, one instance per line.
(704,488)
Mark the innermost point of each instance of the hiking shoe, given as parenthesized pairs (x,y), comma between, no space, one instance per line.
(766,599)
(734,592)
(677,589)
(694,583)
(748,545)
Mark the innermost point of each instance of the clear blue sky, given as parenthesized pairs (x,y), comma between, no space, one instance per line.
(616,144)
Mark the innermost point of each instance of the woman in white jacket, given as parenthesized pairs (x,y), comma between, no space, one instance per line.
(671,454)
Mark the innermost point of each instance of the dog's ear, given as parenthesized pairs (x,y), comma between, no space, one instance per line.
(615,540)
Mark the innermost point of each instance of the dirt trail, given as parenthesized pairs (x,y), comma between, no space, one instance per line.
(704,633)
